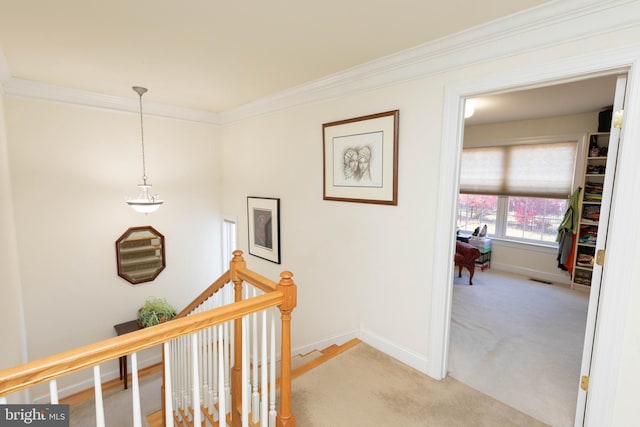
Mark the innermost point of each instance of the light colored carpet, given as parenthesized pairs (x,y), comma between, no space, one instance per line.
(363,387)
(118,405)
(520,342)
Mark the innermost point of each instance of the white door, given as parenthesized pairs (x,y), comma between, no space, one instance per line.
(612,156)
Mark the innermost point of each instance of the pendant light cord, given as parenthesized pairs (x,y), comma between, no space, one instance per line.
(140,91)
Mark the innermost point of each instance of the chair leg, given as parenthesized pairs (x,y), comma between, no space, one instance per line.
(471,271)
(460,271)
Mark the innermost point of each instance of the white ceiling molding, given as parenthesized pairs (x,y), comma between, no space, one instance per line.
(48,92)
(546,25)
(542,26)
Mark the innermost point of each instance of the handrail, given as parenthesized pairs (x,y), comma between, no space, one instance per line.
(257,280)
(204,295)
(42,370)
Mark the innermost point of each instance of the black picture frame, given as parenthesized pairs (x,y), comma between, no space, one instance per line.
(263,219)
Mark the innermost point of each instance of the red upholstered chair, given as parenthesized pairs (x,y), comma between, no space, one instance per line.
(466,256)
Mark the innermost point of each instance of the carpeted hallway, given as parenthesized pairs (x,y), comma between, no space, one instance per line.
(361,387)
(520,342)
(366,388)
(514,360)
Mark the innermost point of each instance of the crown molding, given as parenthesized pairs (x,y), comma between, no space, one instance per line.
(546,25)
(543,26)
(48,92)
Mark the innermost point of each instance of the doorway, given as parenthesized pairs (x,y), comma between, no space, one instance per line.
(607,344)
(517,340)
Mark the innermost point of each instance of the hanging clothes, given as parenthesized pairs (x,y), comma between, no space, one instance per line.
(567,231)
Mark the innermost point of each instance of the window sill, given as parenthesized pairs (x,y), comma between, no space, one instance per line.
(539,247)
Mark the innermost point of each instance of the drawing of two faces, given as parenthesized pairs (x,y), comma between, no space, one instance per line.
(356,163)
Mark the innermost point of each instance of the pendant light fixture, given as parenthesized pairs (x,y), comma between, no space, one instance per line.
(145,202)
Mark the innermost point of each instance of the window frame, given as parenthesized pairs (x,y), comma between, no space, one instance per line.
(581,140)
(502,215)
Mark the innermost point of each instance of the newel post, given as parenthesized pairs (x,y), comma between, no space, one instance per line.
(289,289)
(236,372)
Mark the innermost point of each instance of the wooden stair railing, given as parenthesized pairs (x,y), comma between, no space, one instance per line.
(282,295)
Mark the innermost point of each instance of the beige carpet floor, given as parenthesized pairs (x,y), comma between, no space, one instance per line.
(520,342)
(366,388)
(361,387)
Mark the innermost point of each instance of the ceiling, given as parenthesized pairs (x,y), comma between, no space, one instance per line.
(214,55)
(576,97)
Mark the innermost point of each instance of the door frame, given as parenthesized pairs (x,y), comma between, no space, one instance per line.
(613,310)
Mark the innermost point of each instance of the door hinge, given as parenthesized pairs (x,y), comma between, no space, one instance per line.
(618,118)
(584,383)
(600,257)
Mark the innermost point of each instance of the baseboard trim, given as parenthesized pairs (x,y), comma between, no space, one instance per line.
(534,274)
(402,354)
(324,343)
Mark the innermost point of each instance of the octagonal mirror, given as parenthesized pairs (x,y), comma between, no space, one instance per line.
(140,254)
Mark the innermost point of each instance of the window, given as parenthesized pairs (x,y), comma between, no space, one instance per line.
(475,210)
(228,241)
(519,191)
(528,219)
(532,218)
(532,170)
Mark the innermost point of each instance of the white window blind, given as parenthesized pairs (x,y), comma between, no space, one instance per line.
(531,170)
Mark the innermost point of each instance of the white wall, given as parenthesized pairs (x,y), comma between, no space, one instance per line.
(72,168)
(367,266)
(362,269)
(12,325)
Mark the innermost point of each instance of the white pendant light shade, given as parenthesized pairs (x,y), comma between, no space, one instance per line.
(145,202)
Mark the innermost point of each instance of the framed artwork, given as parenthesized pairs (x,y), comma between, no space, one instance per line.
(360,158)
(264,228)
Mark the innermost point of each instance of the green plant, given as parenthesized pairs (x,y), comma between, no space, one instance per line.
(154,311)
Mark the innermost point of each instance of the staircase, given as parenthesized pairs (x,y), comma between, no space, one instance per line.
(300,364)
(211,353)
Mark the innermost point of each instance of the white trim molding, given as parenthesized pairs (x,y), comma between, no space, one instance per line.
(402,354)
(613,313)
(48,92)
(543,26)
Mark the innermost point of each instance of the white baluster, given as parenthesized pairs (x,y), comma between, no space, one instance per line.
(222,394)
(184,362)
(255,401)
(197,412)
(202,381)
(97,385)
(272,380)
(215,381)
(53,391)
(245,374)
(263,380)
(210,368)
(185,376)
(227,361)
(168,406)
(137,417)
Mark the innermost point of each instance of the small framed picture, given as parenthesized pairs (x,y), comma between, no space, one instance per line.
(264,228)
(361,159)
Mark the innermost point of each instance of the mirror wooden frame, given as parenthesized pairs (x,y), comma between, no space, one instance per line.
(140,254)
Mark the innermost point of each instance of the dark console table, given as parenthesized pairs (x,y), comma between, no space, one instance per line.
(121,329)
